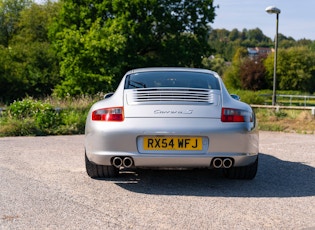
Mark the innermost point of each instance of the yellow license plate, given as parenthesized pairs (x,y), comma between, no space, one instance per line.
(172,143)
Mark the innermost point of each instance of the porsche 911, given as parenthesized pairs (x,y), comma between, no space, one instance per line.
(174,118)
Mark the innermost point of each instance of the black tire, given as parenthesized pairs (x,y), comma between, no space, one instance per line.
(100,171)
(242,173)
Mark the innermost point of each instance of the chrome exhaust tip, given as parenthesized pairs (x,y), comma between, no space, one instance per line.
(117,162)
(227,163)
(217,163)
(127,162)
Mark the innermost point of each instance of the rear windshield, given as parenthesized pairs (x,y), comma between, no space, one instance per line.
(177,79)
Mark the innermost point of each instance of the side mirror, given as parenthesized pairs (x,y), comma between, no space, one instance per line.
(108,95)
(236,97)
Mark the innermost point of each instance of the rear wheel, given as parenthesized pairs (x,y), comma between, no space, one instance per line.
(243,173)
(99,171)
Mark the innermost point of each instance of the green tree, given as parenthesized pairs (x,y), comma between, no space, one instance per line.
(28,65)
(232,77)
(257,36)
(285,42)
(312,46)
(214,63)
(219,41)
(98,41)
(295,69)
(34,21)
(226,43)
(234,35)
(9,16)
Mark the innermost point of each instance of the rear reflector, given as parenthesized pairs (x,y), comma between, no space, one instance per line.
(108,114)
(235,115)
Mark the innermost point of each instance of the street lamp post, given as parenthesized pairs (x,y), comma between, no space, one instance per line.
(274,10)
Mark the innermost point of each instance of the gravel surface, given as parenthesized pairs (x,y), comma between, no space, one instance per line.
(44,186)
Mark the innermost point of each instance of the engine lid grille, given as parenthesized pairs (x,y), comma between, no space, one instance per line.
(171,95)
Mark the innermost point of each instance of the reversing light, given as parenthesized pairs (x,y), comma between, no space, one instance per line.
(235,115)
(108,114)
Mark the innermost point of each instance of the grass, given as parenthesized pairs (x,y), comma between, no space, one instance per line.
(298,121)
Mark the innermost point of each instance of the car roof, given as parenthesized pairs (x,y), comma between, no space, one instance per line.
(157,69)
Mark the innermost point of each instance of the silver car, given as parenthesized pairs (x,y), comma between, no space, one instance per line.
(171,118)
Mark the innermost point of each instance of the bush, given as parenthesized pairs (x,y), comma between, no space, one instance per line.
(73,121)
(49,117)
(43,115)
(14,127)
(249,97)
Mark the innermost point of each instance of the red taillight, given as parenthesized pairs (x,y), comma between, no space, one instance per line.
(108,114)
(235,115)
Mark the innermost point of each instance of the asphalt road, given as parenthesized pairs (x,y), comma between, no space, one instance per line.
(44,186)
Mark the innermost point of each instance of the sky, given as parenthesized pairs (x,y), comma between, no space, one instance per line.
(296,20)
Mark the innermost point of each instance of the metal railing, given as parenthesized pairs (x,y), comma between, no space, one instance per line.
(278,107)
(303,100)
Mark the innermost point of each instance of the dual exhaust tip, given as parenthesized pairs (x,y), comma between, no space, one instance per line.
(222,162)
(125,162)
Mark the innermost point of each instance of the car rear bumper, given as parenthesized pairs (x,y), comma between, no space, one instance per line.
(173,161)
(237,141)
